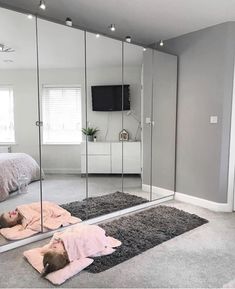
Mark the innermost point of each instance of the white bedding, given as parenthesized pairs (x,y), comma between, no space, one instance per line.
(12,166)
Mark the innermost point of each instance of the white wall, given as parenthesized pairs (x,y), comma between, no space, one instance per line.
(66,158)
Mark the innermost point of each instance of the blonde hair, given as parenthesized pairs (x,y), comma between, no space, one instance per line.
(53,261)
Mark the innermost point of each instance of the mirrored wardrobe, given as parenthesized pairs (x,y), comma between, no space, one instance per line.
(87,123)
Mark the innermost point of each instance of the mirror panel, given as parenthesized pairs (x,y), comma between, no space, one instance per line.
(104,84)
(62,94)
(146,121)
(19,144)
(133,121)
(164,124)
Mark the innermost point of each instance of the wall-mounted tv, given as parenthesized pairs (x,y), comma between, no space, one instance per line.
(109,97)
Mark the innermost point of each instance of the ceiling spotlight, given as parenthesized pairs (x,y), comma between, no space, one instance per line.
(69,22)
(128,39)
(42,5)
(112,27)
(97,35)
(161,43)
(1,47)
(30,16)
(144,49)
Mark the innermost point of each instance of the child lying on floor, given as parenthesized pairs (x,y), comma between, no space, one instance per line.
(25,220)
(75,243)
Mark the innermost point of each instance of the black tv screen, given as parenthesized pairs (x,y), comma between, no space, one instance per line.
(109,98)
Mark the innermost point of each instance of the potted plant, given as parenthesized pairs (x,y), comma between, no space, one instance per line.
(90,132)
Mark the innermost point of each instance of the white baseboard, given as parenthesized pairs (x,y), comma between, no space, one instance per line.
(213,206)
(62,171)
(160,191)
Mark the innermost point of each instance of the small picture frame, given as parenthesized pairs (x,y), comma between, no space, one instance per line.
(123,135)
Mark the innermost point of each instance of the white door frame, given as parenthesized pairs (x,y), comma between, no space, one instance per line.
(231,173)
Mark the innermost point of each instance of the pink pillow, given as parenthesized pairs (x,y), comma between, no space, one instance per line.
(35,258)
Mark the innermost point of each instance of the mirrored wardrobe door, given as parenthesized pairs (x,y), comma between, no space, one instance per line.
(104,118)
(133,97)
(147,93)
(164,124)
(62,92)
(19,144)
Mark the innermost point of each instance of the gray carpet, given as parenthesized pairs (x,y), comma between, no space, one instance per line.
(97,206)
(142,231)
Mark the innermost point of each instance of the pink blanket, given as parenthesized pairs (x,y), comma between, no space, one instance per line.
(53,218)
(12,166)
(75,241)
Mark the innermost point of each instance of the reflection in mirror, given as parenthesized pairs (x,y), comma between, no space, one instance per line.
(19,146)
(164,124)
(61,79)
(132,121)
(104,113)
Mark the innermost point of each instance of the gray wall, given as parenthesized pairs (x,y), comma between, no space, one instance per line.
(206,61)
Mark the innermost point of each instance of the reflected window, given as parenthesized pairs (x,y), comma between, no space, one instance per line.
(61,108)
(7,130)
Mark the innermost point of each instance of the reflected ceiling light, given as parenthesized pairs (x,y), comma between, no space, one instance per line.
(128,39)
(30,16)
(112,27)
(161,43)
(42,5)
(69,22)
(97,35)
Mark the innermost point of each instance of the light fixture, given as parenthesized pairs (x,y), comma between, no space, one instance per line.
(42,5)
(30,16)
(69,22)
(161,43)
(1,47)
(144,49)
(128,39)
(97,35)
(112,27)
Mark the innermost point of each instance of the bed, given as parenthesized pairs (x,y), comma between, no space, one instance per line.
(13,166)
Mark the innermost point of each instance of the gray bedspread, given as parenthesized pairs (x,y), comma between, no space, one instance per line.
(12,167)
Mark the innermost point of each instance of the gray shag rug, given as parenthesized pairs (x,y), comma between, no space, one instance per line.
(97,206)
(142,231)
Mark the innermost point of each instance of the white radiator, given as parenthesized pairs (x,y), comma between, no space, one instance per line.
(5,149)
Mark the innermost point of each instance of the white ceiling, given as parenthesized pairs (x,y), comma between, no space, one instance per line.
(59,46)
(147,21)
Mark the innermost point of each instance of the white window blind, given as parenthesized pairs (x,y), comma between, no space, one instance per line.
(61,108)
(7,130)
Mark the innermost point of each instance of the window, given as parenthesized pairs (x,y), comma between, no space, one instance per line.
(61,108)
(7,131)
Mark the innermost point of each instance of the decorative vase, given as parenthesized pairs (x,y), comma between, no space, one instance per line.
(90,138)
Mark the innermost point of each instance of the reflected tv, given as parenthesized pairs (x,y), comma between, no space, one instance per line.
(109,97)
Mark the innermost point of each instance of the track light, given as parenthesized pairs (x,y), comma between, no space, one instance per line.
(128,39)
(69,22)
(161,43)
(42,5)
(30,16)
(97,35)
(112,27)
